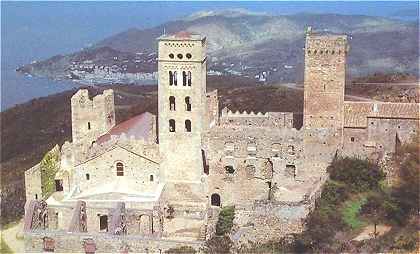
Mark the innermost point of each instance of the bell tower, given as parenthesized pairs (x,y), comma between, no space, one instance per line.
(182,104)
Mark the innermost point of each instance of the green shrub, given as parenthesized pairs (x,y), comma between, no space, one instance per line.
(49,166)
(359,175)
(351,211)
(225,222)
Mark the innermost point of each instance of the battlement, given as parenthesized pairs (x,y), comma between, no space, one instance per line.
(257,119)
(328,44)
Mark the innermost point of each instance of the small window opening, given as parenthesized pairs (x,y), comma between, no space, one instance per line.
(175,79)
(291,170)
(187,104)
(215,199)
(87,177)
(49,244)
(59,185)
(88,125)
(291,150)
(103,223)
(171,56)
(36,196)
(171,125)
(151,178)
(172,103)
(229,169)
(179,56)
(188,55)
(120,169)
(187,125)
(352,139)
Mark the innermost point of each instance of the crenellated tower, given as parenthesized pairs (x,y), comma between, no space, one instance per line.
(182,106)
(324,84)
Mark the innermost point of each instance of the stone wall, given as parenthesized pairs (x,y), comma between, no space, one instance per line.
(101,243)
(33,183)
(268,119)
(91,118)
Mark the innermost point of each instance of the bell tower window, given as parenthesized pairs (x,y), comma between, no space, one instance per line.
(187,125)
(172,103)
(175,79)
(184,78)
(171,78)
(172,125)
(187,103)
(189,78)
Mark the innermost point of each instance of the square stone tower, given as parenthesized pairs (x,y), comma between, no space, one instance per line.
(182,104)
(324,84)
(91,118)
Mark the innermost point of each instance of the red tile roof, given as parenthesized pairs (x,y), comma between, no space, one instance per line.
(138,127)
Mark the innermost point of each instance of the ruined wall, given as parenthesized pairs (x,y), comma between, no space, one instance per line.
(33,183)
(102,243)
(91,118)
(246,163)
(266,221)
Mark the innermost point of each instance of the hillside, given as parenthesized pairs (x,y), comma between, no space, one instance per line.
(248,44)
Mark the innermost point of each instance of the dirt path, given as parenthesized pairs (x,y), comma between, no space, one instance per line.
(368,232)
(11,235)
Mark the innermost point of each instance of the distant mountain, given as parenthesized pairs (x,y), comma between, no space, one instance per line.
(248,44)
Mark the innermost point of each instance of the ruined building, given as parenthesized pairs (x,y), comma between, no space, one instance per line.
(157,182)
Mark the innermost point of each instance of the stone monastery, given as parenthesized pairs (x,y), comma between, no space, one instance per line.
(157,182)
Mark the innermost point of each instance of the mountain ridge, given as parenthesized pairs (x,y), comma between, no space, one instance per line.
(250,44)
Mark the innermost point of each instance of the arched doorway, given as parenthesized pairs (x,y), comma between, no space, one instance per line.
(215,199)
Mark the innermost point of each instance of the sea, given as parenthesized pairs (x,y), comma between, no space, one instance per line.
(32,31)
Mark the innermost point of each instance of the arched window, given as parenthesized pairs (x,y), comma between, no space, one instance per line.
(88,125)
(215,199)
(87,177)
(120,169)
(187,104)
(172,103)
(171,78)
(172,125)
(151,178)
(189,78)
(184,78)
(175,79)
(187,125)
